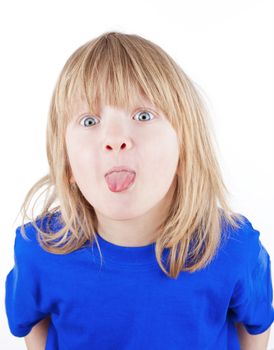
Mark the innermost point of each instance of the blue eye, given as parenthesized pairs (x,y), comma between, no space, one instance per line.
(88,121)
(143,115)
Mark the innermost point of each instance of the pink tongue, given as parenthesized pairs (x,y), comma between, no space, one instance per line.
(119,181)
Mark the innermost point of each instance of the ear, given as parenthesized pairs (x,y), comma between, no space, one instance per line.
(72,180)
(177,170)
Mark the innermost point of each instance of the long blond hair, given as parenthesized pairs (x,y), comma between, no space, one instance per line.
(107,69)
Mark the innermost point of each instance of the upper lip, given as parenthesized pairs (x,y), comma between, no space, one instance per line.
(120,168)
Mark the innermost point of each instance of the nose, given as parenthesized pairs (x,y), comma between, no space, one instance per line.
(116,131)
(118,144)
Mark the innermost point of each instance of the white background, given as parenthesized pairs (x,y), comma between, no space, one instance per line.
(227,49)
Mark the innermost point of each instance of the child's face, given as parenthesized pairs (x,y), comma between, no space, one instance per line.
(146,142)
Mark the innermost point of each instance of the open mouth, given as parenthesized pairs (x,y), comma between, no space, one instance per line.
(119,181)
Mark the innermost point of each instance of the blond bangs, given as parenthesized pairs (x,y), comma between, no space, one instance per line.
(112,72)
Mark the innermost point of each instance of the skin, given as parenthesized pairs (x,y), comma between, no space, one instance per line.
(36,339)
(252,342)
(121,137)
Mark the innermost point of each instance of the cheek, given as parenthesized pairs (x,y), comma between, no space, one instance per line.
(161,152)
(82,157)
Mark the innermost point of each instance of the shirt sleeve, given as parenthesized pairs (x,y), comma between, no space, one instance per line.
(23,291)
(251,303)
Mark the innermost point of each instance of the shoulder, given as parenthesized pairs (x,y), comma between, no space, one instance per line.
(242,244)
(27,242)
(244,235)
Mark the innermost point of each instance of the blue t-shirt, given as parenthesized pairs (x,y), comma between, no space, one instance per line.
(128,303)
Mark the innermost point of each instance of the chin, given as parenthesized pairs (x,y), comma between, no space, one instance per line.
(123,213)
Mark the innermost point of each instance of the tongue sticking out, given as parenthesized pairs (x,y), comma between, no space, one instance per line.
(119,181)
